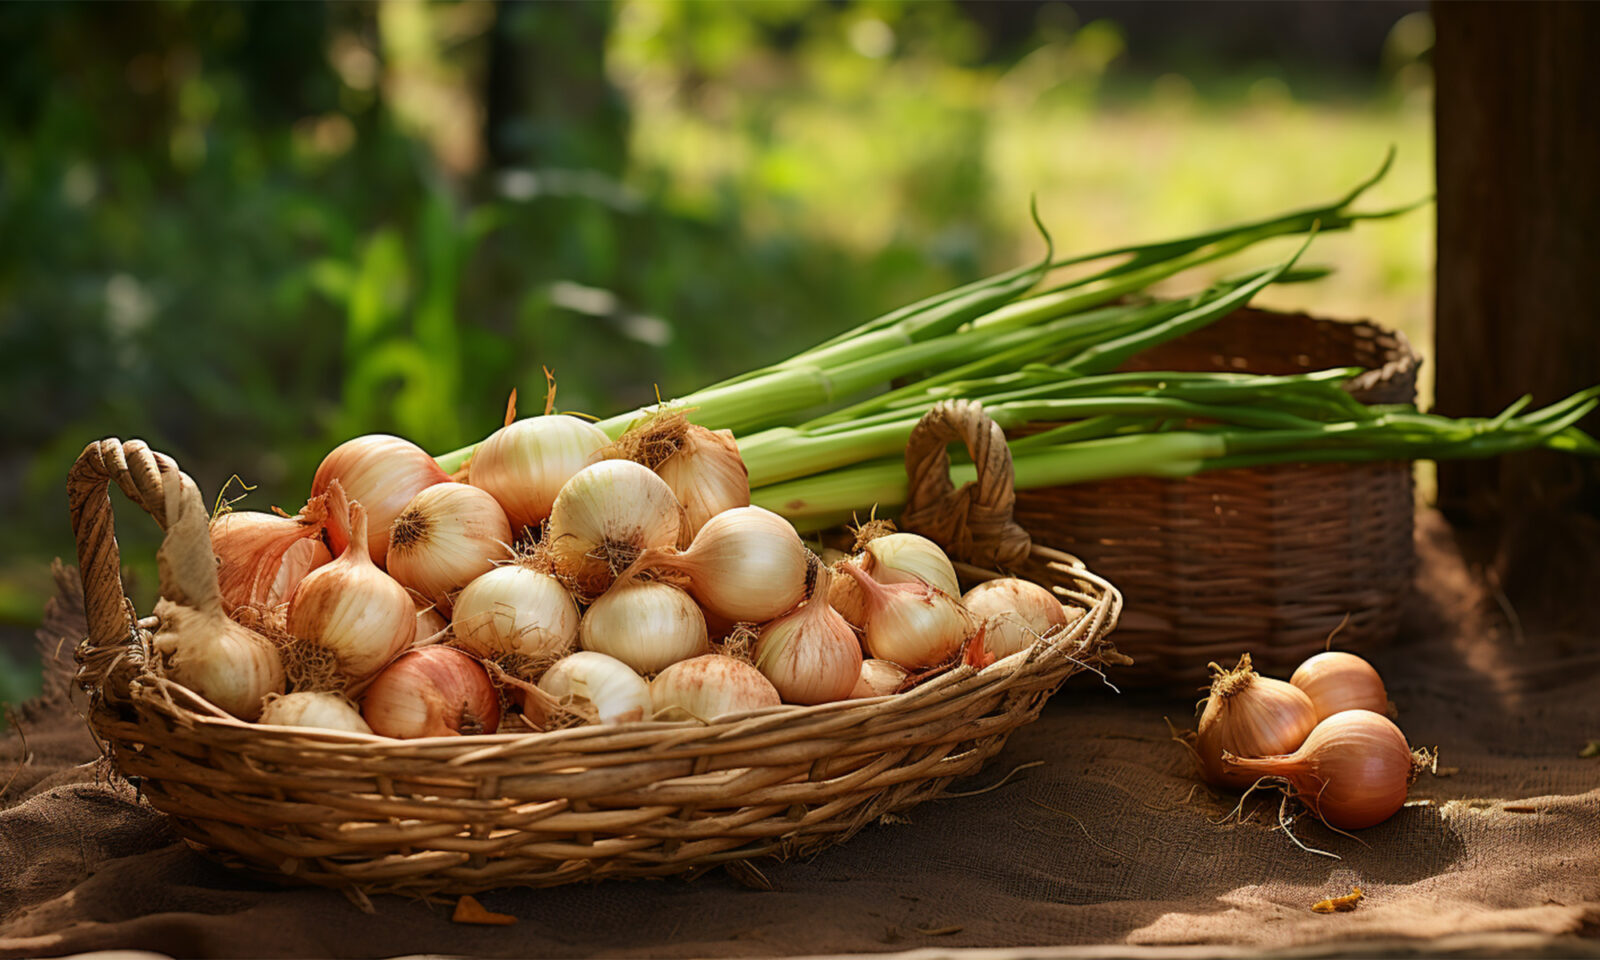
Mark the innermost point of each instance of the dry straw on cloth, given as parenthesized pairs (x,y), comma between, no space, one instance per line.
(1107,848)
(458,815)
(1275,557)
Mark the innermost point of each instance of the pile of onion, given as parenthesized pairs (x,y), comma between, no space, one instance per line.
(1322,736)
(561,578)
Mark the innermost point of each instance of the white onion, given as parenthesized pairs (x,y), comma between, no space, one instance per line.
(1015,613)
(515,609)
(326,711)
(525,464)
(745,565)
(353,609)
(709,687)
(593,682)
(604,518)
(447,536)
(647,625)
(707,475)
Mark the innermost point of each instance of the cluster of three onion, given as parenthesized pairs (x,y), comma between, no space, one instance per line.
(1323,733)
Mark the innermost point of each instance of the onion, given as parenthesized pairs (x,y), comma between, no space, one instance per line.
(879,678)
(226,663)
(647,625)
(353,609)
(1015,613)
(913,624)
(383,473)
(263,556)
(707,475)
(525,464)
(434,691)
(447,536)
(745,565)
(604,518)
(1352,771)
(514,609)
(894,558)
(1337,681)
(709,687)
(811,654)
(597,687)
(326,711)
(1248,715)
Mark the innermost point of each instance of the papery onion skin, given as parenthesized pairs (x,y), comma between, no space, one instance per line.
(447,536)
(1337,681)
(587,680)
(811,654)
(435,691)
(1249,715)
(604,518)
(1353,770)
(912,624)
(263,556)
(323,711)
(525,464)
(1015,612)
(647,625)
(707,475)
(431,626)
(708,687)
(879,678)
(515,609)
(383,473)
(354,609)
(746,565)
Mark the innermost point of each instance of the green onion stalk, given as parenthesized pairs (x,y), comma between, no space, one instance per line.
(827,499)
(994,324)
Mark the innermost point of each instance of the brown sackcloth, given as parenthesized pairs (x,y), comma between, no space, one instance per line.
(1108,842)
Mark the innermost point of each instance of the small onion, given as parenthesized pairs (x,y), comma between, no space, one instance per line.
(352,608)
(913,624)
(879,678)
(709,687)
(262,557)
(589,682)
(383,473)
(515,609)
(647,625)
(1248,715)
(811,654)
(1353,770)
(1337,681)
(447,536)
(745,565)
(525,464)
(707,475)
(604,518)
(326,711)
(433,691)
(894,558)
(1015,612)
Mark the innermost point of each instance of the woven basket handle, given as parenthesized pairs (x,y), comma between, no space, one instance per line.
(145,476)
(973,523)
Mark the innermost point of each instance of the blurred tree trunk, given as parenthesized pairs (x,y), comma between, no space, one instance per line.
(1518,148)
(549,102)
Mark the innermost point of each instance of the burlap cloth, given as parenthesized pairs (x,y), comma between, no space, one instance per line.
(1107,842)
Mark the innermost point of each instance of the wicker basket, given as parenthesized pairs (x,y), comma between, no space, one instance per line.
(1269,559)
(455,815)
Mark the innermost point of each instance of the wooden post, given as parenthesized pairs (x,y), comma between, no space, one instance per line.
(1517,308)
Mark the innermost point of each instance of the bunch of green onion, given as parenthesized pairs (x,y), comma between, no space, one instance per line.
(1048,359)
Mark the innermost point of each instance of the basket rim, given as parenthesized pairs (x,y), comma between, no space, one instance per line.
(1085,641)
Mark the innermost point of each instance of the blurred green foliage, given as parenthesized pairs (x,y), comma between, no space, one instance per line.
(245,232)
